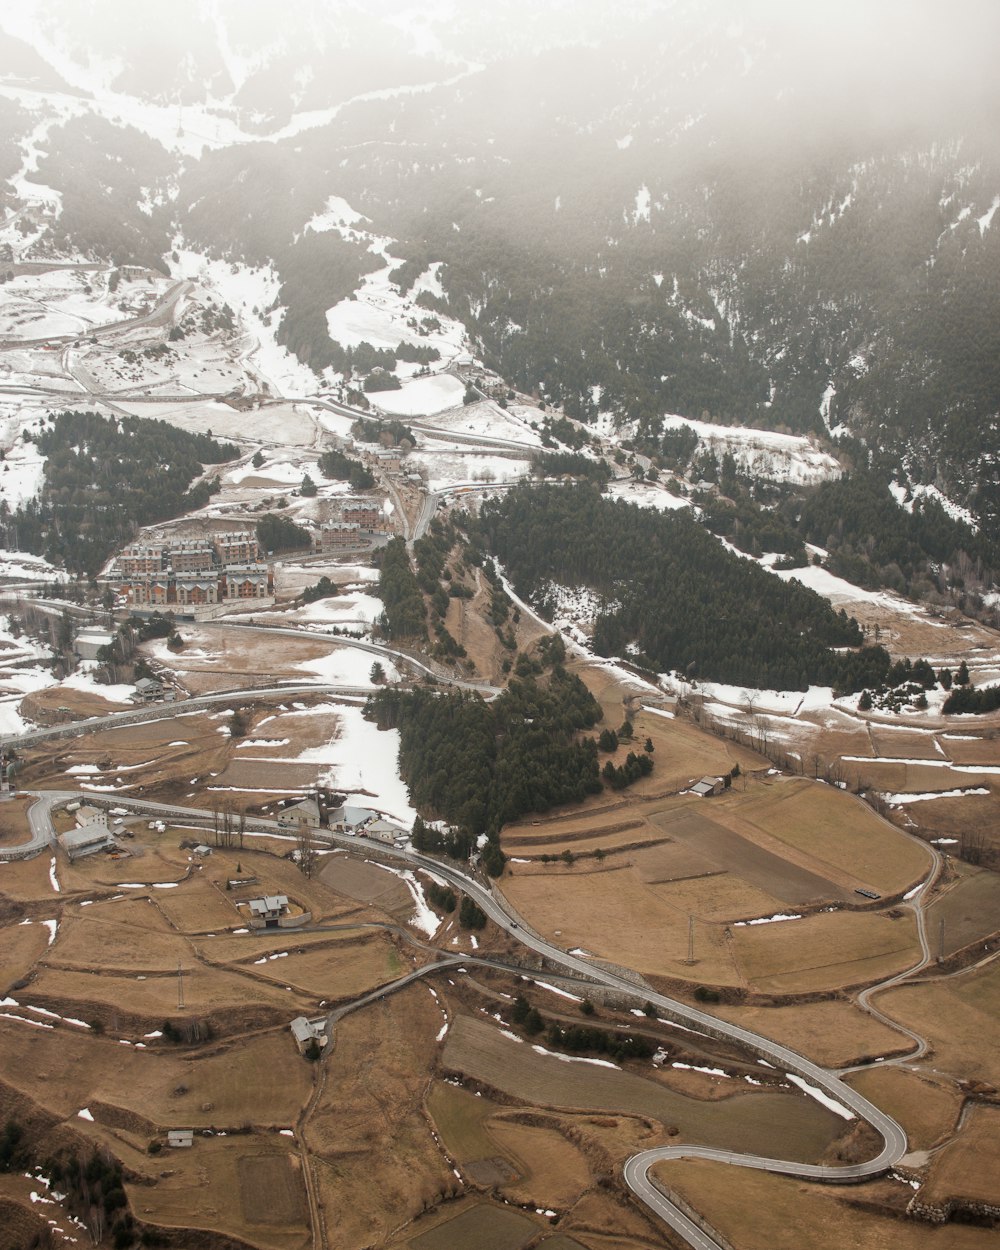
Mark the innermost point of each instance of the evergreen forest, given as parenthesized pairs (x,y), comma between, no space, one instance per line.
(673,597)
(105,477)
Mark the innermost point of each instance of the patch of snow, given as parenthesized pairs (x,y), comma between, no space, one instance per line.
(739,924)
(422,396)
(554,989)
(897,800)
(599,1063)
(821,1097)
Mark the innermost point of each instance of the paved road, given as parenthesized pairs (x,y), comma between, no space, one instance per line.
(40,825)
(161,711)
(864,998)
(435,498)
(374,648)
(164,307)
(637,1168)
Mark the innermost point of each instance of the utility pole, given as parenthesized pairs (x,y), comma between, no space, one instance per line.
(941,940)
(180,985)
(690,956)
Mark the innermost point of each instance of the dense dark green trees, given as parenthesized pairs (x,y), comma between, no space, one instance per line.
(337,467)
(280,533)
(969,699)
(405,615)
(104,478)
(479,765)
(674,594)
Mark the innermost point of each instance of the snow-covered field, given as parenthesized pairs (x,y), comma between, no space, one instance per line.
(346,666)
(354,607)
(19,676)
(421,396)
(487,420)
(647,495)
(455,467)
(841,592)
(761,453)
(365,765)
(250,292)
(23,468)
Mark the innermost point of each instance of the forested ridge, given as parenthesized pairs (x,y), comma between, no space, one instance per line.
(675,598)
(479,765)
(104,478)
(787,257)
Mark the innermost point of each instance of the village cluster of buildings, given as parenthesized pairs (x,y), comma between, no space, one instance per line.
(193,572)
(312,813)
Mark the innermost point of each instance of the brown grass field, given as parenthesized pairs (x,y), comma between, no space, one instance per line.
(716,829)
(788,1214)
(896,741)
(209,1187)
(720,899)
(926,1107)
(155,997)
(375,1161)
(22,946)
(825,951)
(553,1170)
(958,1015)
(271,1189)
(976,814)
(14,821)
(478,1050)
(484,1226)
(612,914)
(65,1069)
(337,970)
(129,935)
(832,1032)
(529,1163)
(841,835)
(21,1220)
(27,881)
(966,1169)
(966,747)
(460,1119)
(673,861)
(970,909)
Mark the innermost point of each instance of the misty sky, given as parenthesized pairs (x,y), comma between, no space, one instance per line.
(914,48)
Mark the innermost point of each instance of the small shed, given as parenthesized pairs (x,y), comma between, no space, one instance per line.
(180,1138)
(708,786)
(305,1031)
(203,850)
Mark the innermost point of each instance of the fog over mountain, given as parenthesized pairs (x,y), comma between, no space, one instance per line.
(772,214)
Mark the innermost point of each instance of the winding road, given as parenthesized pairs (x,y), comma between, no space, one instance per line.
(637,1169)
